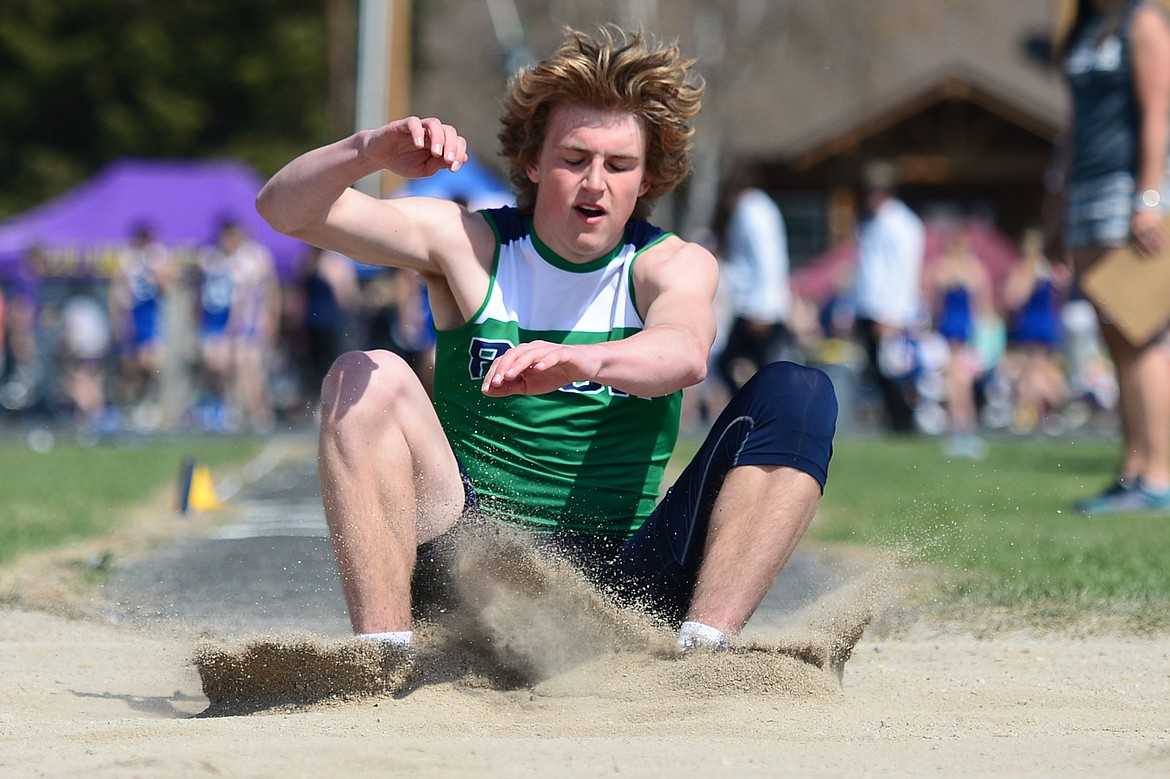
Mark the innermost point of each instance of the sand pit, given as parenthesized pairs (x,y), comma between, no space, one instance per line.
(527,620)
(87,698)
(84,697)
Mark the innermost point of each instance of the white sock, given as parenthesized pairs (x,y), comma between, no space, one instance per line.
(399,638)
(696,635)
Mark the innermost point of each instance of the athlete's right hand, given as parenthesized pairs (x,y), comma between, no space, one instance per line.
(415,148)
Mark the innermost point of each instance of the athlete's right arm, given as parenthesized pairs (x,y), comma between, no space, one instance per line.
(312,199)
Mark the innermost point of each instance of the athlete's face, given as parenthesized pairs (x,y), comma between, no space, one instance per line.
(590,174)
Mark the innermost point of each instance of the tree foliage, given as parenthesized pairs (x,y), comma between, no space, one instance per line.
(83,82)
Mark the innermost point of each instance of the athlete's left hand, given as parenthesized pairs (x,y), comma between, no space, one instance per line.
(537,368)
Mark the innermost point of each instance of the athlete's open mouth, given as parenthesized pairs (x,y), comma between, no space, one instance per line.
(590,212)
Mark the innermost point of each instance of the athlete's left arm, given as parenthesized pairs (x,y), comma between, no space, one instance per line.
(675,291)
(674,286)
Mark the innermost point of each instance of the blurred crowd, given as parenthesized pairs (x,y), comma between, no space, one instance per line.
(218,342)
(915,344)
(215,341)
(1022,356)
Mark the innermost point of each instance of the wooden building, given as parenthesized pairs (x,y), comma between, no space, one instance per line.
(963,149)
(957,93)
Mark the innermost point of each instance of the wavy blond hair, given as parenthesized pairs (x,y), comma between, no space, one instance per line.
(612,71)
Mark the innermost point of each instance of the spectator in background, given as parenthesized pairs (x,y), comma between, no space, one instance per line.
(379,310)
(1116,59)
(84,348)
(24,377)
(240,299)
(398,319)
(755,255)
(254,325)
(142,278)
(414,328)
(216,293)
(1032,295)
(890,250)
(332,298)
(958,288)
(3,333)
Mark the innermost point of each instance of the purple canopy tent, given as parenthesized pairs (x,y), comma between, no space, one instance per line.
(182,201)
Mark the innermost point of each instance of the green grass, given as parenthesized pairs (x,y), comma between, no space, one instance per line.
(999,532)
(70,493)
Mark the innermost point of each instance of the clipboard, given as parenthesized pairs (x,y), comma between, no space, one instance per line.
(1132,290)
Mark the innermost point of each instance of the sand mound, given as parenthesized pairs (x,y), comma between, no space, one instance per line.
(529,620)
(536,614)
(267,673)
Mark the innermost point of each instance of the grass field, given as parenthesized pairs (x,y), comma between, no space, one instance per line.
(71,492)
(997,532)
(1000,531)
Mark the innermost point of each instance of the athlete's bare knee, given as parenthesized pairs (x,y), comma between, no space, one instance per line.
(364,383)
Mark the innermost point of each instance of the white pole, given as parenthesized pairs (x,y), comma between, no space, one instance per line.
(373,62)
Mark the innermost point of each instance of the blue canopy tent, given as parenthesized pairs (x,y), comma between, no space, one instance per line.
(474,183)
(183,202)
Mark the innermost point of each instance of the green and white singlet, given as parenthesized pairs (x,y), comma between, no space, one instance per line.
(586,459)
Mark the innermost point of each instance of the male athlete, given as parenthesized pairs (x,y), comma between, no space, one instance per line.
(567,329)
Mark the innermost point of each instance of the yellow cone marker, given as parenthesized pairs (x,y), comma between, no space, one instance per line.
(196,490)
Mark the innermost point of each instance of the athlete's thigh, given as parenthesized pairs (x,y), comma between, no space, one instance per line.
(375,406)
